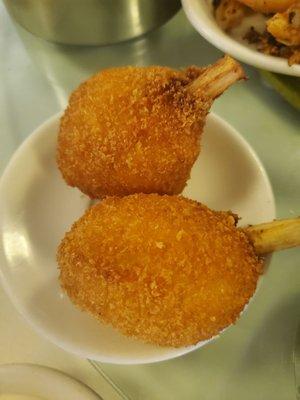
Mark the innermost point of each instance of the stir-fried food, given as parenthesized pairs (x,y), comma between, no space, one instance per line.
(281,36)
(230,13)
(285,27)
(268,6)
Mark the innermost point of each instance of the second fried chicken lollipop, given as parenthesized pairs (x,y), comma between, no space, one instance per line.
(137,129)
(163,269)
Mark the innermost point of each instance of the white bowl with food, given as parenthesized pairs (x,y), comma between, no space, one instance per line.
(285,25)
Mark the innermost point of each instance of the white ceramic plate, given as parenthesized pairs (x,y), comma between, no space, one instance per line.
(42,382)
(199,13)
(37,208)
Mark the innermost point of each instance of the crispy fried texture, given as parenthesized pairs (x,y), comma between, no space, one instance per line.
(132,129)
(163,269)
(285,27)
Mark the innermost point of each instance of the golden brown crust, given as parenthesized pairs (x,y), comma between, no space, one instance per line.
(132,129)
(163,269)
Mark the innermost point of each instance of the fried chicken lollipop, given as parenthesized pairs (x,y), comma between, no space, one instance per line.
(163,269)
(137,129)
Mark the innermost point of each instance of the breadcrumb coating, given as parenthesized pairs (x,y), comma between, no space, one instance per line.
(162,269)
(132,129)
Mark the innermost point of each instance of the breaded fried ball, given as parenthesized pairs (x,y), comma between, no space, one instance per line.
(137,129)
(162,269)
(131,129)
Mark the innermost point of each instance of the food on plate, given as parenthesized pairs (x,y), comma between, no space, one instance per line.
(285,27)
(267,6)
(138,129)
(276,32)
(230,14)
(163,269)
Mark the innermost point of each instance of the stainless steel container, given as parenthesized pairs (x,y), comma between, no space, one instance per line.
(90,22)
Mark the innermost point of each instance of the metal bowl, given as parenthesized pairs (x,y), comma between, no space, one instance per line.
(90,22)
